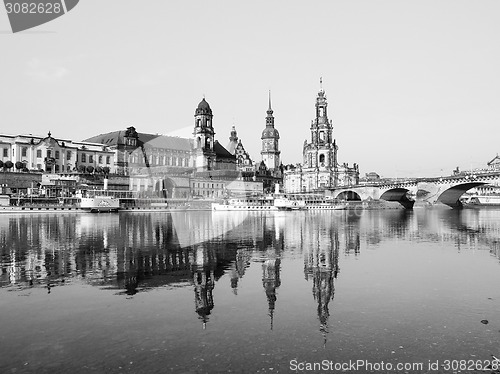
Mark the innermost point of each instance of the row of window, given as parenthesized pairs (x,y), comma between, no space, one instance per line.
(56,155)
(161,160)
(91,159)
(202,185)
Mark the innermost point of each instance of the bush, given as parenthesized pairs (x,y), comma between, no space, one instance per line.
(8,165)
(90,169)
(81,168)
(19,165)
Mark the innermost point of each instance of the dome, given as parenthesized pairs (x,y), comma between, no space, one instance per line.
(270,133)
(203,108)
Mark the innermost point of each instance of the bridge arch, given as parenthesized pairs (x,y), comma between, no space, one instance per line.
(349,195)
(451,196)
(398,194)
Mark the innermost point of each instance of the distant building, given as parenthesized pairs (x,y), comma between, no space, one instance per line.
(494,163)
(320,169)
(55,155)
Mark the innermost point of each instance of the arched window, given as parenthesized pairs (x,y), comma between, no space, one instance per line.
(322,136)
(322,159)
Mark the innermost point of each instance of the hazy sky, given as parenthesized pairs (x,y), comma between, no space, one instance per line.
(413,87)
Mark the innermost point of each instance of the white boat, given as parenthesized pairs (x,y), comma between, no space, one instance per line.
(321,202)
(258,203)
(482,201)
(99,204)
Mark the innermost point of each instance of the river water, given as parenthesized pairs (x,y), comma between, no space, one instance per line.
(273,292)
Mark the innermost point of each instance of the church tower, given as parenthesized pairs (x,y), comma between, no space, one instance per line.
(320,153)
(270,142)
(203,137)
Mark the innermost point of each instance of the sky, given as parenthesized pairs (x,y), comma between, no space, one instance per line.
(413,87)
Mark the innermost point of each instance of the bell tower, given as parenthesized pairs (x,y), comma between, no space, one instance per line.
(203,137)
(270,141)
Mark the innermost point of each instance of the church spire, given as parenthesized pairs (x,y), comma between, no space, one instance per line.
(270,110)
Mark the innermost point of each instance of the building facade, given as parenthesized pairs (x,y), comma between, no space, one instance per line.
(53,155)
(320,169)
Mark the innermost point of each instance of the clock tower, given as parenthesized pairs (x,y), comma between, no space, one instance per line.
(270,142)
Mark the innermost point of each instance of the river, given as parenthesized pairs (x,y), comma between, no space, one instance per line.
(274,292)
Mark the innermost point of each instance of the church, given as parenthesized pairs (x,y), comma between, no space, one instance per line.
(320,169)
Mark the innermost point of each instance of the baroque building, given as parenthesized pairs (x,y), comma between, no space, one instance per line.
(175,167)
(320,169)
(54,155)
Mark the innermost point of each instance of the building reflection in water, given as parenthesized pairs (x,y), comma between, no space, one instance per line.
(204,264)
(132,253)
(321,267)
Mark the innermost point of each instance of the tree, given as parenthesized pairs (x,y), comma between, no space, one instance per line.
(90,169)
(1,164)
(81,168)
(19,165)
(105,170)
(25,169)
(8,164)
(98,170)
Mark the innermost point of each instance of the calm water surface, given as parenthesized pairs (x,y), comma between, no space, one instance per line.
(247,292)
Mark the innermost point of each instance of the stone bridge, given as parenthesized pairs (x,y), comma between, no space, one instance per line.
(446,190)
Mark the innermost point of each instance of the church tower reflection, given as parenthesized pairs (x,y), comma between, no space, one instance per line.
(272,246)
(204,265)
(321,267)
(271,281)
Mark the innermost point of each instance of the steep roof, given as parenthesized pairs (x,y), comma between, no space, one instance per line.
(222,152)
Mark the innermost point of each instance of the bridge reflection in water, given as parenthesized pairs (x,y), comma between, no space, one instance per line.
(212,253)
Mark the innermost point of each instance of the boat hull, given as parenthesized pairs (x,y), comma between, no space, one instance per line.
(100,204)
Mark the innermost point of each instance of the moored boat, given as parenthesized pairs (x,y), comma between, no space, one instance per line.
(99,204)
(477,201)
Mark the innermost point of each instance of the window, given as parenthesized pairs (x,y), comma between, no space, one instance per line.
(322,158)
(5,152)
(24,152)
(39,153)
(68,155)
(49,153)
(91,159)
(100,159)
(108,160)
(57,155)
(84,157)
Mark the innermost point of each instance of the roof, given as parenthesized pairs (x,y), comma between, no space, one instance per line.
(203,108)
(170,142)
(270,133)
(496,160)
(117,138)
(220,151)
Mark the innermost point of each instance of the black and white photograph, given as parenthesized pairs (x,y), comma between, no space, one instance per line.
(233,186)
